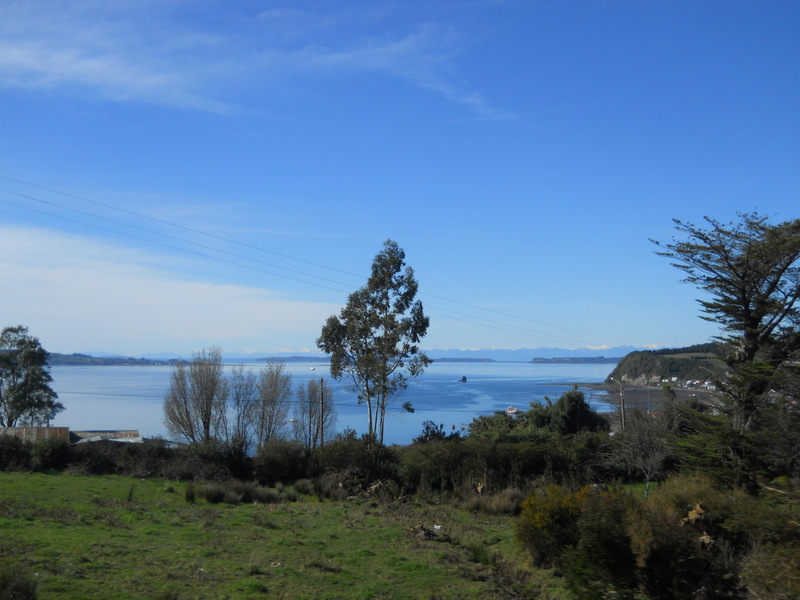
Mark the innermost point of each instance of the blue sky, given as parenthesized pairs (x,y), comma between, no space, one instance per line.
(181,174)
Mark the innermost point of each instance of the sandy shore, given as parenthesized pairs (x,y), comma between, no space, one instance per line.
(643,397)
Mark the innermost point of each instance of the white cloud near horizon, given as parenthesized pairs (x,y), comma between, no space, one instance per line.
(81,295)
(164,55)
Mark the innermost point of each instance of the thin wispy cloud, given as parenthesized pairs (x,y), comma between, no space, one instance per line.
(67,288)
(140,53)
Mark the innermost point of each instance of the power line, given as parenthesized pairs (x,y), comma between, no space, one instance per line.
(164,235)
(450,314)
(177,225)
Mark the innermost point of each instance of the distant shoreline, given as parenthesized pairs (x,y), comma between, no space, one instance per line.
(72,360)
(76,360)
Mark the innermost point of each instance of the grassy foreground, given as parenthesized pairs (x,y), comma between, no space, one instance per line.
(116,537)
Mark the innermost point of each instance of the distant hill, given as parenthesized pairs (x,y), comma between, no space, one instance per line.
(702,362)
(57,359)
(78,359)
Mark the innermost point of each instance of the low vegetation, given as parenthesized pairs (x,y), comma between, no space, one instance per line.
(546,506)
(69,536)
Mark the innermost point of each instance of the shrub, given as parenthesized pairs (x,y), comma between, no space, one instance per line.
(50,455)
(465,463)
(16,584)
(504,502)
(264,495)
(15,454)
(573,459)
(434,465)
(479,553)
(190,494)
(245,490)
(602,564)
(691,538)
(232,497)
(148,459)
(304,486)
(189,463)
(510,464)
(332,485)
(280,460)
(213,493)
(548,524)
(363,461)
(431,432)
(208,461)
(95,458)
(771,571)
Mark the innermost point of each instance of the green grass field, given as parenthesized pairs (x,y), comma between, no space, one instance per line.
(116,537)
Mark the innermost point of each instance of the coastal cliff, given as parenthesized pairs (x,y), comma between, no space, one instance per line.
(699,363)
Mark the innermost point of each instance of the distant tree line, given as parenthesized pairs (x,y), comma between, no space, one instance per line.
(77,359)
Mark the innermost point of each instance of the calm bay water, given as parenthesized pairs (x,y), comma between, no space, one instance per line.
(123,397)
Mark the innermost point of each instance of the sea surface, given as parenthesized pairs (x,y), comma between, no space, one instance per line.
(131,397)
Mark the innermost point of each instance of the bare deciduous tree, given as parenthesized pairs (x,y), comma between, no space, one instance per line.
(642,448)
(272,406)
(239,423)
(314,416)
(194,406)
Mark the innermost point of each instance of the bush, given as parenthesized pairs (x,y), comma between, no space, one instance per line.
(190,494)
(504,502)
(267,496)
(361,462)
(16,585)
(693,539)
(245,490)
(547,526)
(448,465)
(573,459)
(333,485)
(51,455)
(96,458)
(603,564)
(435,465)
(15,454)
(280,460)
(214,493)
(304,486)
(148,459)
(772,572)
(232,497)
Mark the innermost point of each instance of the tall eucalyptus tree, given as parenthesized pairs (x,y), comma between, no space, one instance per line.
(374,340)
